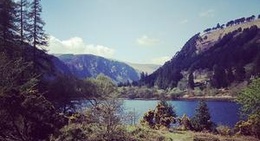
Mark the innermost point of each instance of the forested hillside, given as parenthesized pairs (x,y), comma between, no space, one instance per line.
(218,57)
(87,65)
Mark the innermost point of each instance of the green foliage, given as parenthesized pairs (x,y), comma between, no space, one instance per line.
(148,119)
(249,98)
(223,130)
(201,121)
(161,117)
(249,127)
(7,23)
(102,119)
(185,122)
(219,79)
(25,114)
(36,33)
(63,93)
(103,87)
(90,132)
(72,132)
(233,51)
(191,81)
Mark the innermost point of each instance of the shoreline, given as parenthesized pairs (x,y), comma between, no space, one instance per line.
(206,98)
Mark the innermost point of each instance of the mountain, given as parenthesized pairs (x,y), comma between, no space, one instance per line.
(219,57)
(87,65)
(146,68)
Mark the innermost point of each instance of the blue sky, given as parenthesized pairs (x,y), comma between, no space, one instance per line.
(138,31)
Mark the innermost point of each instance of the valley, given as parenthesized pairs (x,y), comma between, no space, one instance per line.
(180,79)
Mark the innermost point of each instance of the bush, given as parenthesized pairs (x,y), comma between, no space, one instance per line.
(249,127)
(223,130)
(161,117)
(185,123)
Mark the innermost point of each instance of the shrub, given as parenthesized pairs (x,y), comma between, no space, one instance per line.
(249,127)
(185,123)
(161,117)
(223,130)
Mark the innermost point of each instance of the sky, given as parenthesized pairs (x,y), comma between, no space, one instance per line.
(136,31)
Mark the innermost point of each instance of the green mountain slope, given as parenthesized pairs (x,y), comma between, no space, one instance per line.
(87,65)
(218,57)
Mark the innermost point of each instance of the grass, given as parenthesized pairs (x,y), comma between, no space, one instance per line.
(145,134)
(213,36)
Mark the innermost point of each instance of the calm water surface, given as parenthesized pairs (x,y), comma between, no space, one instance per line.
(222,112)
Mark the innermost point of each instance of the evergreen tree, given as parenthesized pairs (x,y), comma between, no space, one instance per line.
(191,81)
(240,72)
(219,78)
(7,22)
(164,114)
(230,75)
(23,20)
(37,36)
(25,113)
(256,66)
(201,120)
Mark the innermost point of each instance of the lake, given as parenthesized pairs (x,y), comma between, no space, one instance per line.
(222,112)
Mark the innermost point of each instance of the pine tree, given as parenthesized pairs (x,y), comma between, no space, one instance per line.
(219,78)
(37,36)
(230,76)
(201,120)
(7,22)
(191,81)
(23,20)
(240,73)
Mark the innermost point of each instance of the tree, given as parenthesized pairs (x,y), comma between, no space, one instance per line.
(162,117)
(62,93)
(185,122)
(201,120)
(249,99)
(218,26)
(106,110)
(240,72)
(230,76)
(256,66)
(191,81)
(219,78)
(164,114)
(7,22)
(23,23)
(36,33)
(25,114)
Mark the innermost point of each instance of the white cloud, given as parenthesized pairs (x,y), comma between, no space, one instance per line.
(76,45)
(147,41)
(160,60)
(208,14)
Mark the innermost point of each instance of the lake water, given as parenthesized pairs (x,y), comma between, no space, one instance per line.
(222,112)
